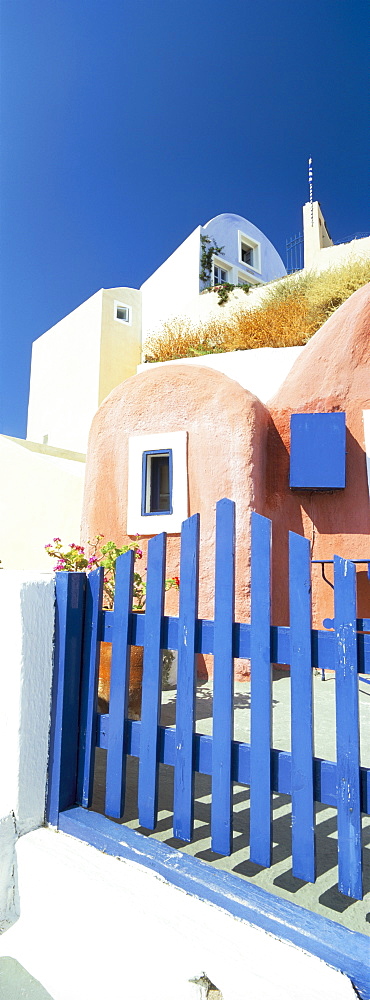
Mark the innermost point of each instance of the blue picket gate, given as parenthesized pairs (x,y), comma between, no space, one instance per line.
(77,728)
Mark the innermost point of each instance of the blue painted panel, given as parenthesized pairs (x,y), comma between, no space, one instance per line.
(261,693)
(63,751)
(223,679)
(183,806)
(152,684)
(119,684)
(89,686)
(340,948)
(347,730)
(303,813)
(318,451)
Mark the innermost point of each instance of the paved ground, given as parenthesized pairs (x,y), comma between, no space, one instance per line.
(322,897)
(17,984)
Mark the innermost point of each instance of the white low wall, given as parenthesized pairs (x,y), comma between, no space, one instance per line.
(261,370)
(26,644)
(338,256)
(93,926)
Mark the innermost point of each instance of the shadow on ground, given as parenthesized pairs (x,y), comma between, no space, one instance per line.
(322,896)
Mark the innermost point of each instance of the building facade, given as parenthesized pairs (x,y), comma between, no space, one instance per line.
(247,257)
(77,363)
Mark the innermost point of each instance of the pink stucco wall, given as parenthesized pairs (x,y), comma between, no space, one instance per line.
(239,448)
(227,434)
(332,373)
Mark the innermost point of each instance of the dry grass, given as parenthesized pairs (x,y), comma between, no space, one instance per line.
(291,313)
(179,338)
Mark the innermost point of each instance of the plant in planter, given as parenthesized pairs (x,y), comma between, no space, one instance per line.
(75,559)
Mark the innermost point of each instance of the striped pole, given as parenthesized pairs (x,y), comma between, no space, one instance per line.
(310,186)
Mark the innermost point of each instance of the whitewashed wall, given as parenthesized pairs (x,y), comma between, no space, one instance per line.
(338,256)
(40,498)
(320,253)
(172,286)
(64,382)
(77,363)
(26,643)
(261,370)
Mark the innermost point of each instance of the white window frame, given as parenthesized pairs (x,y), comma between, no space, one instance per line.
(256,247)
(219,262)
(247,278)
(152,524)
(122,305)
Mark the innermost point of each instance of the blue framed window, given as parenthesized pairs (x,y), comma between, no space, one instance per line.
(156,491)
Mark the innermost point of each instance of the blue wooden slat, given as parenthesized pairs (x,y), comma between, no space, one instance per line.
(261,723)
(223,679)
(89,686)
(347,731)
(323,643)
(119,685)
(152,684)
(183,807)
(303,813)
(63,752)
(325,771)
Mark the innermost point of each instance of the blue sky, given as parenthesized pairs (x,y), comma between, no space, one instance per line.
(126,123)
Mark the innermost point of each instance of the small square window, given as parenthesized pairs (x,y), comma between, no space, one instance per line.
(156,496)
(247,254)
(157,486)
(122,312)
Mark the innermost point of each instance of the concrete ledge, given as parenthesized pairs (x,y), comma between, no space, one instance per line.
(93,924)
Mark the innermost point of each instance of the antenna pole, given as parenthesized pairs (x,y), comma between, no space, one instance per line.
(310,186)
